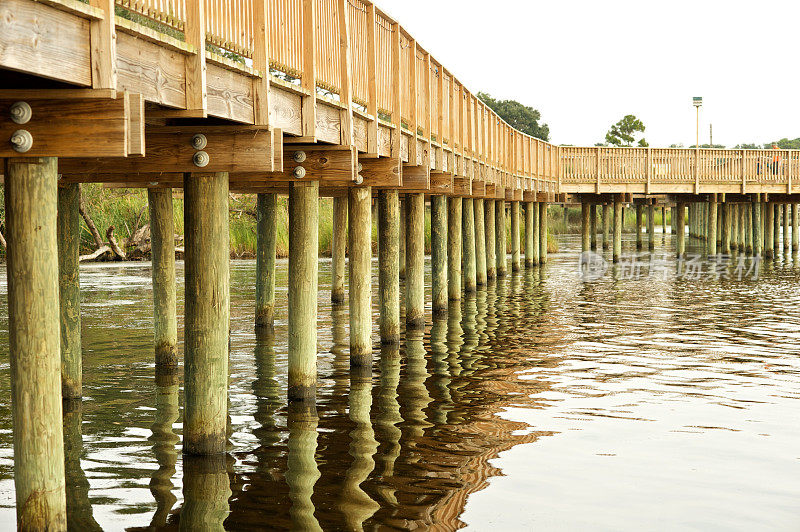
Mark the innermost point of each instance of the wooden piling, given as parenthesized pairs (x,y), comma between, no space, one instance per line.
(415,260)
(162,245)
(651,227)
(795,228)
(480,242)
(468,252)
(618,214)
(639,243)
(777,212)
(787,224)
(439,254)
(339,248)
(403,223)
(758,229)
(585,240)
(303,286)
(543,231)
(748,226)
(537,245)
(771,236)
(593,226)
(733,225)
(389,266)
(266,239)
(663,222)
(207,311)
(712,227)
(34,346)
(491,244)
(69,240)
(454,247)
(515,237)
(606,226)
(500,236)
(359,203)
(529,234)
(680,230)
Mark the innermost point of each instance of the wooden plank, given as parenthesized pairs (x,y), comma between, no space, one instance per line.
(462,186)
(285,111)
(103,46)
(229,95)
(384,172)
(328,127)
(441,183)
(70,128)
(40,40)
(155,72)
(169,149)
(332,164)
(57,94)
(416,178)
(277,150)
(136,144)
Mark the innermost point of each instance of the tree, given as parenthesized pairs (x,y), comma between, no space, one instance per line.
(785,144)
(518,116)
(623,132)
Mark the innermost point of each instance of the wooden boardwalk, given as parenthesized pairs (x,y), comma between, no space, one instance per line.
(307,98)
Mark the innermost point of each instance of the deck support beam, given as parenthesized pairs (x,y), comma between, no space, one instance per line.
(491,236)
(480,242)
(207,320)
(454,247)
(338,249)
(360,245)
(500,235)
(266,239)
(162,246)
(389,266)
(515,237)
(69,240)
(468,253)
(439,254)
(303,286)
(34,345)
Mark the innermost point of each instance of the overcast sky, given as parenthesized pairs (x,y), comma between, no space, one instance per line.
(585,64)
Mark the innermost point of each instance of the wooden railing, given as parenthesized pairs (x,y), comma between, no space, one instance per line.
(701,168)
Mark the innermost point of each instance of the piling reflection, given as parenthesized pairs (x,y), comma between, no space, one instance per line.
(165,442)
(206,490)
(387,417)
(79,508)
(356,505)
(302,472)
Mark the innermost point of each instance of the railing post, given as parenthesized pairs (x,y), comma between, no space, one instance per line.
(649,169)
(372,81)
(597,168)
(789,172)
(195,32)
(744,174)
(345,67)
(103,49)
(308,79)
(261,62)
(697,170)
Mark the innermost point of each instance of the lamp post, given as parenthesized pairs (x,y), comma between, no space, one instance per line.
(697,101)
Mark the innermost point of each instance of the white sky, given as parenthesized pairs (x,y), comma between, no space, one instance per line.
(585,64)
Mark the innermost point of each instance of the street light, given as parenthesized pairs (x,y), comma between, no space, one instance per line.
(697,101)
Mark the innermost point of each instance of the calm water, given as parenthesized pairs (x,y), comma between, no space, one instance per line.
(541,402)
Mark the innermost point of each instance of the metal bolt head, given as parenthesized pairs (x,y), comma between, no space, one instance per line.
(299,172)
(20,112)
(201,159)
(21,141)
(299,156)
(199,141)
(359,179)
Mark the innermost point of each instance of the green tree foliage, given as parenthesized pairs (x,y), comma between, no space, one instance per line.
(520,117)
(747,146)
(623,133)
(785,144)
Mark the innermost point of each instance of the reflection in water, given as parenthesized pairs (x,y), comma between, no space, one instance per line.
(536,395)
(164,446)
(302,472)
(79,508)
(206,489)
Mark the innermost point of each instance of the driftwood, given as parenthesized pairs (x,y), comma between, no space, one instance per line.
(99,252)
(98,240)
(113,243)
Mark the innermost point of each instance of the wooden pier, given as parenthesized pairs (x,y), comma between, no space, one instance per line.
(304,98)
